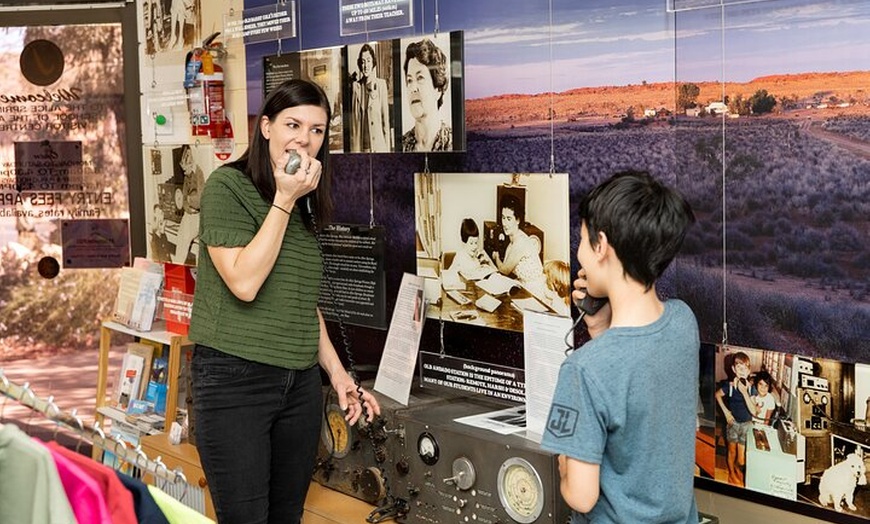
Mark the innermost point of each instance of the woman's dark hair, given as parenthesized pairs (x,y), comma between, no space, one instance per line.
(256,162)
(468,229)
(513,203)
(763,376)
(644,220)
(366,48)
(428,54)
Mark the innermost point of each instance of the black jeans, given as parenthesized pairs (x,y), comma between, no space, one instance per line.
(257,429)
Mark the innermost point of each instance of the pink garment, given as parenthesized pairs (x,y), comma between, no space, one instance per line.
(83,493)
(119,500)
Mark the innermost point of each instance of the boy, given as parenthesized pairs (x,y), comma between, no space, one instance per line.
(735,400)
(623,415)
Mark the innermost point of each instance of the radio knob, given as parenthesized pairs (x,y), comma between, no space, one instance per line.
(463,474)
(371,483)
(402,467)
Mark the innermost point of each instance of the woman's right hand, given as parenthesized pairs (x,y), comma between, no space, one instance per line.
(290,188)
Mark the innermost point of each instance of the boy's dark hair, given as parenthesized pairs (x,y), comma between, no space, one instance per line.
(644,220)
(468,229)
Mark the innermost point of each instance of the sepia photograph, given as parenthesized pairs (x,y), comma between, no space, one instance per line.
(174,180)
(493,245)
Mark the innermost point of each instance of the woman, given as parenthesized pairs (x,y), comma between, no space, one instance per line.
(259,334)
(522,256)
(370,105)
(426,81)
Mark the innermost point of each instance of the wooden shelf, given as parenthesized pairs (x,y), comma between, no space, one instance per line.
(158,334)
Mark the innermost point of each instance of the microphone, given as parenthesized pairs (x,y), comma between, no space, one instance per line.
(293,163)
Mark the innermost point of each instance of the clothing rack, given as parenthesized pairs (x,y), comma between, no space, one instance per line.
(25,396)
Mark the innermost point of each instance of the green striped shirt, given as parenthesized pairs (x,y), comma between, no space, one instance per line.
(280,326)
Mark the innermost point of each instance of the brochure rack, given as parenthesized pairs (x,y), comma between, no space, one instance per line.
(158,334)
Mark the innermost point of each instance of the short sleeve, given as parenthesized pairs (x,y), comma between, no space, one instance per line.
(577,423)
(225,220)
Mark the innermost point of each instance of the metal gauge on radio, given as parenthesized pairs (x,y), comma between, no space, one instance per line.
(427,448)
(336,432)
(520,490)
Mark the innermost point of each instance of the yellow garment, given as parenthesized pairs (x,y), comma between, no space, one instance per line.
(176,512)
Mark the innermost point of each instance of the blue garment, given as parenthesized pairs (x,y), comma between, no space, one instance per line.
(257,430)
(627,401)
(736,403)
(147,510)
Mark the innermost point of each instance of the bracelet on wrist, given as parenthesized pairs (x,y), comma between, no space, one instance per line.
(281,208)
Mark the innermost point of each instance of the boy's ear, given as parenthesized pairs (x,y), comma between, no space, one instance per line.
(602,246)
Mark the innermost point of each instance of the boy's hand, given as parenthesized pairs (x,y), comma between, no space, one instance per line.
(600,321)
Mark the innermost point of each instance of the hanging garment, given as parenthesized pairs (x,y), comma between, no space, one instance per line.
(175,511)
(147,510)
(118,499)
(30,487)
(82,491)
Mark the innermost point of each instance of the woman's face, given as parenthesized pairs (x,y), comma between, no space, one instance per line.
(186,161)
(298,127)
(422,95)
(366,63)
(471,245)
(179,198)
(509,221)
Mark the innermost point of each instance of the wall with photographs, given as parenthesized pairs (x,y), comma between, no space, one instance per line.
(763,123)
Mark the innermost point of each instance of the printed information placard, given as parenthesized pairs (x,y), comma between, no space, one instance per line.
(354,285)
(366,16)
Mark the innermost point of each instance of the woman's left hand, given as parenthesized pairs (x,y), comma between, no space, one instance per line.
(349,399)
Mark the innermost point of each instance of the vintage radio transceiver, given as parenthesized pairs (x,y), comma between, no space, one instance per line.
(360,460)
(458,473)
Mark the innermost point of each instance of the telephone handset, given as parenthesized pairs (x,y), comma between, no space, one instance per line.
(291,168)
(293,163)
(590,305)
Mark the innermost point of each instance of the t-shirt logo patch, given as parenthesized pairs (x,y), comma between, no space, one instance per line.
(563,421)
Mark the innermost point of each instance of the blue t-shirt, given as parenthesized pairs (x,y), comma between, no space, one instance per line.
(627,400)
(736,403)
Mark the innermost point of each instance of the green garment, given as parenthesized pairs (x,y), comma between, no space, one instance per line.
(174,511)
(30,487)
(280,326)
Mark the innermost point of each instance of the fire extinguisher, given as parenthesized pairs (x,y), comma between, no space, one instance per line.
(204,81)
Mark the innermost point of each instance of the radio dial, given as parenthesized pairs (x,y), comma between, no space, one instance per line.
(463,474)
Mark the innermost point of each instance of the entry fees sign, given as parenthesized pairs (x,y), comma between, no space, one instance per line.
(366,16)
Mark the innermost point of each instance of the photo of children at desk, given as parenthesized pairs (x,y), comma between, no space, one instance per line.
(495,259)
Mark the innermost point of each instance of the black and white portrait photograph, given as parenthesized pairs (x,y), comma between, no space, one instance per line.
(323,67)
(171,25)
(427,94)
(493,246)
(173,188)
(370,91)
